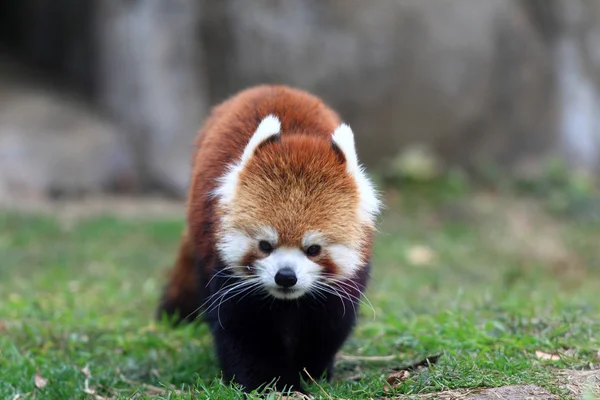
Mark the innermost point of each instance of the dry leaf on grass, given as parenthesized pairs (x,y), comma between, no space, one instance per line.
(545,356)
(86,384)
(420,255)
(86,371)
(397,377)
(40,381)
(92,392)
(86,387)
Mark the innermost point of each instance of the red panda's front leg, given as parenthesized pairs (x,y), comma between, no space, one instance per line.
(255,359)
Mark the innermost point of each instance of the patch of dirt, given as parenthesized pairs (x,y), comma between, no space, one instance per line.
(581,383)
(515,392)
(578,384)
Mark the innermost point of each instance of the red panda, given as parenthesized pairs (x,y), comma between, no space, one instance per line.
(280,223)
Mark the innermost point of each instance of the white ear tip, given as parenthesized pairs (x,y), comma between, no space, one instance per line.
(343,133)
(270,125)
(344,138)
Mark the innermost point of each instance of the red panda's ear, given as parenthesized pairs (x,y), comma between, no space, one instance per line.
(268,128)
(338,152)
(343,139)
(370,205)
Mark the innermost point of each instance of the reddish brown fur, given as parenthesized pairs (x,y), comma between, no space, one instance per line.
(325,197)
(328,265)
(330,208)
(182,288)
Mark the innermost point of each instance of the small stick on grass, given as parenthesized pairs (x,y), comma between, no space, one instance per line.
(319,386)
(348,357)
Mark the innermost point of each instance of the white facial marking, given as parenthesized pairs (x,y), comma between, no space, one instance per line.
(313,237)
(225,191)
(306,271)
(233,246)
(267,233)
(345,258)
(369,200)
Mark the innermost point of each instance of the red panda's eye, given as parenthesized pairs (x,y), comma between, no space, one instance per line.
(313,250)
(265,246)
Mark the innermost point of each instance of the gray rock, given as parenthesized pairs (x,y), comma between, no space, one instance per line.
(515,392)
(52,143)
(471,79)
(151,83)
(475,82)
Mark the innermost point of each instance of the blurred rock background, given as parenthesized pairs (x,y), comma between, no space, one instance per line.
(107,95)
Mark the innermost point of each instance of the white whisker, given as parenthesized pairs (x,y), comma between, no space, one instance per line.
(328,289)
(255,288)
(211,300)
(247,285)
(344,284)
(221,271)
(230,289)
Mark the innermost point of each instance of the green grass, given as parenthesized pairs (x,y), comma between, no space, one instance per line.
(498,280)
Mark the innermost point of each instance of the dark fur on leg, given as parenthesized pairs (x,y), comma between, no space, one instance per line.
(260,339)
(177,310)
(181,300)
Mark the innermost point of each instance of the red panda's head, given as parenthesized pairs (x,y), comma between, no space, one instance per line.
(296,211)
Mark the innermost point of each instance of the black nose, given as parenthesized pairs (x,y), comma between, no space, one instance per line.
(286,277)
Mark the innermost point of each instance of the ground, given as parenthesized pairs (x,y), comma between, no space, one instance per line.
(470,291)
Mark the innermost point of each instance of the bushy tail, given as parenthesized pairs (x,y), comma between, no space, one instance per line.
(181,296)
